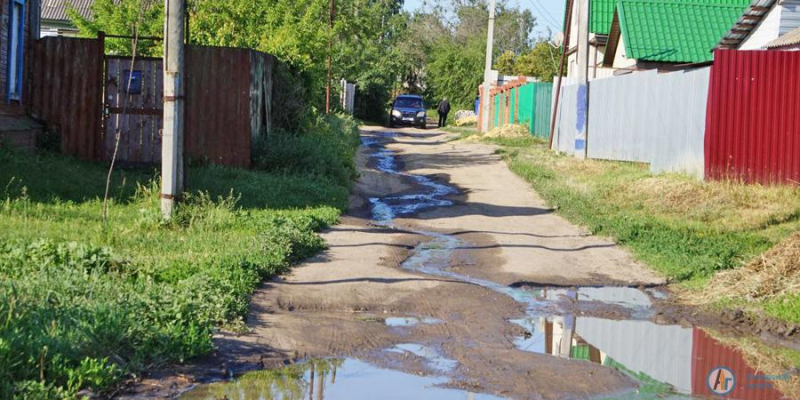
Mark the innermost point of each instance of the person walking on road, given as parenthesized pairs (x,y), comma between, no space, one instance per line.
(444,109)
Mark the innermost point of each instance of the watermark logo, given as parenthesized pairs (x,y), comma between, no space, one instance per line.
(721,381)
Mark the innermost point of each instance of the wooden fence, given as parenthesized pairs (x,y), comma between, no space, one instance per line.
(65,89)
(80,94)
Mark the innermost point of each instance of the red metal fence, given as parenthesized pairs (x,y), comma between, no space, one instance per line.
(752,124)
(65,89)
(708,355)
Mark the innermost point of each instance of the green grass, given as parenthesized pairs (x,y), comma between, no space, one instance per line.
(85,304)
(786,308)
(684,229)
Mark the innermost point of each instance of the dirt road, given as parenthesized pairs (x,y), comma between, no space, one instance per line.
(450,271)
(503,234)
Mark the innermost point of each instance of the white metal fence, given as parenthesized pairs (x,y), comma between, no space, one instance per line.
(644,117)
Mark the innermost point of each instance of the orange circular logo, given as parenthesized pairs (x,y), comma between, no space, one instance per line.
(721,381)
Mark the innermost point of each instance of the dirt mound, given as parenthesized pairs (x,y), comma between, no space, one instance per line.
(774,273)
(470,120)
(508,131)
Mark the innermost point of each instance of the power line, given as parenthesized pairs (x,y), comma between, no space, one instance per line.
(547,18)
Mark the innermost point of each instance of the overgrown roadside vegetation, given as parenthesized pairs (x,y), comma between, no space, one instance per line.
(85,305)
(698,234)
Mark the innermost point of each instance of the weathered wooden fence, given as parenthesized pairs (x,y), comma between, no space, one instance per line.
(65,89)
(81,94)
(135,117)
(753,127)
(228,103)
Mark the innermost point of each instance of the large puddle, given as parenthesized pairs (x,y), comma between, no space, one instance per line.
(668,361)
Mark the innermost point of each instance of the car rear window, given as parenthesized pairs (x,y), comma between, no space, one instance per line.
(408,103)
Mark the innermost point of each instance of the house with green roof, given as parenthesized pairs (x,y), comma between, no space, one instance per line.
(602,13)
(763,22)
(657,34)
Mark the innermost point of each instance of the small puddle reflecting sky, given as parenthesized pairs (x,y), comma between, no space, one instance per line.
(336,379)
(668,361)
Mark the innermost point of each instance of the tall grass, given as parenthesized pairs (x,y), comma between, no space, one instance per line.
(84,304)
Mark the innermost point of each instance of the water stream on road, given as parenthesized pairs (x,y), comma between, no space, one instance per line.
(668,361)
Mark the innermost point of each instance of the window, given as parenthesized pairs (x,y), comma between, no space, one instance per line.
(16,40)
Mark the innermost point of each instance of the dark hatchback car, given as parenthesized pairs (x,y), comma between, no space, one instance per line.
(408,110)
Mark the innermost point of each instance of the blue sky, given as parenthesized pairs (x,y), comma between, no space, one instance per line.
(548,13)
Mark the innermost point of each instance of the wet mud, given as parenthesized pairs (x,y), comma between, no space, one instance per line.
(435,317)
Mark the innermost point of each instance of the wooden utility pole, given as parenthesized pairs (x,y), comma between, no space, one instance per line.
(487,71)
(172,173)
(564,50)
(582,108)
(328,87)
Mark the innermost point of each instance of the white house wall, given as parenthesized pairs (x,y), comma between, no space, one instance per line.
(620,60)
(766,31)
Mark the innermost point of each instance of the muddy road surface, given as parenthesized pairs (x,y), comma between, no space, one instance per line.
(451,279)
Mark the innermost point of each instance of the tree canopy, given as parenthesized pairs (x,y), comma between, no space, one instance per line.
(438,51)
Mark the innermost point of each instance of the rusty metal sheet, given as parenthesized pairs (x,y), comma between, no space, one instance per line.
(752,129)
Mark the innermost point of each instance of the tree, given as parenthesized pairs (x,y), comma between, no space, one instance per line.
(297,32)
(124,17)
(447,45)
(541,62)
(456,71)
(506,63)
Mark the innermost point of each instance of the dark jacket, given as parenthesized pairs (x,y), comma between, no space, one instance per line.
(444,107)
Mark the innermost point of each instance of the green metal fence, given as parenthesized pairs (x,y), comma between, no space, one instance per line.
(529,105)
(540,125)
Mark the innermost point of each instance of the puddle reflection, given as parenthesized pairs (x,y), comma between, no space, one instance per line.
(659,357)
(410,321)
(335,379)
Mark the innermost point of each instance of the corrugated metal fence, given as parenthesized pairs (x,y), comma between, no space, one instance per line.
(643,117)
(734,120)
(753,129)
(522,103)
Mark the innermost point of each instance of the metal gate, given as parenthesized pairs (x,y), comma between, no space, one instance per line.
(138,123)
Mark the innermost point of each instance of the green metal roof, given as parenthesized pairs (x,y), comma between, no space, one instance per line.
(676,30)
(602,14)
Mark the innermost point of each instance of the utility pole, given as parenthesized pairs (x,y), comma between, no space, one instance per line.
(172,142)
(487,71)
(328,87)
(582,109)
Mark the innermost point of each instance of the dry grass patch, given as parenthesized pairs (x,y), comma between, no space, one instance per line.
(774,274)
(508,131)
(727,205)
